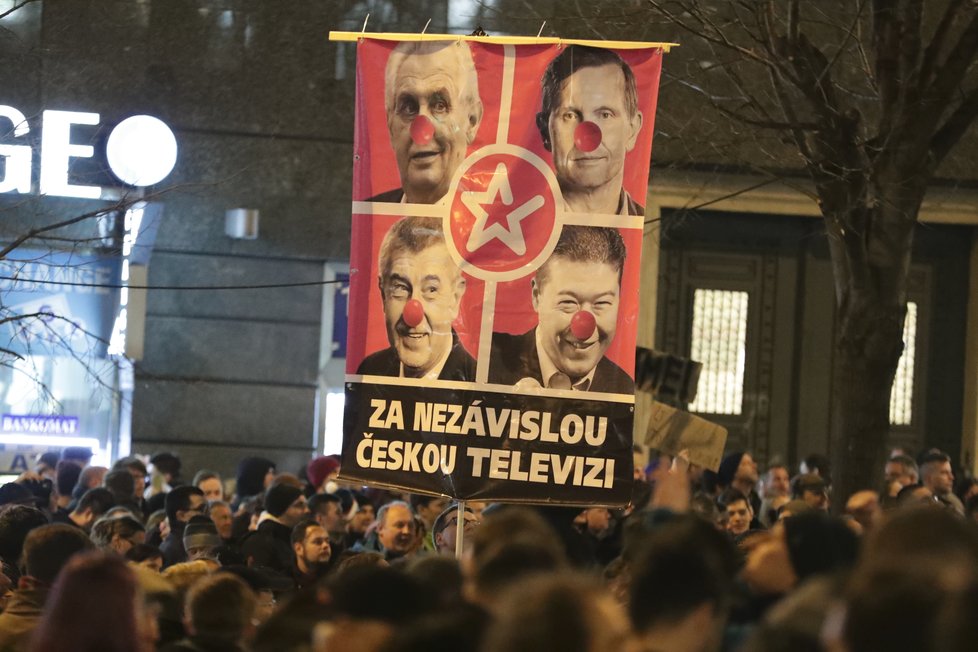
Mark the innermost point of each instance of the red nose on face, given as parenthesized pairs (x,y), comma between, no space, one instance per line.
(413,313)
(587,136)
(423,130)
(582,325)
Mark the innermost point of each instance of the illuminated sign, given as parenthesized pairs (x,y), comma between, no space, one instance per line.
(140,151)
(37,424)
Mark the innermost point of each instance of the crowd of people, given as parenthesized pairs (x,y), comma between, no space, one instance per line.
(135,558)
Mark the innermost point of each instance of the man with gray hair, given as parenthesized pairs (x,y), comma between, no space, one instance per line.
(431,93)
(421,287)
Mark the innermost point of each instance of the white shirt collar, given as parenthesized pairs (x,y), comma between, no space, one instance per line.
(548,368)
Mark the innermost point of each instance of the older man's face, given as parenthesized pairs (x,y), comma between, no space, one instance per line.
(593,94)
(396,533)
(432,278)
(570,286)
(431,85)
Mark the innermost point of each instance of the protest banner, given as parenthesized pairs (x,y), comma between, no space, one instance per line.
(498,193)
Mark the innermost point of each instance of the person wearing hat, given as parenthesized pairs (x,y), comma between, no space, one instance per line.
(738,470)
(200,538)
(321,473)
(255,475)
(811,488)
(271,544)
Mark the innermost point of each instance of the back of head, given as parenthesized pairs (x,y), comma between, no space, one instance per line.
(166,463)
(679,566)
(510,545)
(67,477)
(220,607)
(916,533)
(178,500)
(92,607)
(549,613)
(16,521)
(77,454)
(251,476)
(120,483)
(48,548)
(379,593)
(818,543)
(105,529)
(99,500)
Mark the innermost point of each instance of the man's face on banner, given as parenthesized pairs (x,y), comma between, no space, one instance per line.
(595,94)
(431,277)
(431,85)
(567,287)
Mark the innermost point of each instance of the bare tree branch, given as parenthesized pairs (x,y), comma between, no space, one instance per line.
(933,50)
(956,125)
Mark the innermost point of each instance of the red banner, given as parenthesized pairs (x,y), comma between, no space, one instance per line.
(498,209)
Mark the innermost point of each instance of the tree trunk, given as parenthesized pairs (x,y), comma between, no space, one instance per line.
(868,345)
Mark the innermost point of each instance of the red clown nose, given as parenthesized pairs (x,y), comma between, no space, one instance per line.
(582,325)
(587,136)
(422,130)
(414,313)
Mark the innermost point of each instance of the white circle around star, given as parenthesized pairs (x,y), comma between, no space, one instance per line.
(504,213)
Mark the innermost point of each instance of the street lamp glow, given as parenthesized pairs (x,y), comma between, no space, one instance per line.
(141,150)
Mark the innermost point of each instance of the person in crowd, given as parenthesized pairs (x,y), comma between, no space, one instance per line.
(819,465)
(576,295)
(586,86)
(219,612)
(327,510)
(46,465)
(137,469)
(682,585)
(145,555)
(737,513)
(394,534)
(421,288)
(312,553)
(427,508)
(321,473)
(900,471)
(431,94)
(114,622)
(118,533)
(220,513)
(739,470)
(865,509)
(444,530)
(200,538)
(46,551)
(510,545)
(210,483)
(65,480)
(558,613)
(270,546)
(182,503)
(811,488)
(91,507)
(78,455)
(937,475)
(16,522)
(90,478)
(254,476)
(777,481)
(122,486)
(361,518)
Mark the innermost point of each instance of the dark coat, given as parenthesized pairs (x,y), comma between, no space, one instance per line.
(391,196)
(514,357)
(459,366)
(172,546)
(270,546)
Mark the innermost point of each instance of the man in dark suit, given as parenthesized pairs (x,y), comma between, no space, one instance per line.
(590,121)
(421,287)
(433,113)
(576,293)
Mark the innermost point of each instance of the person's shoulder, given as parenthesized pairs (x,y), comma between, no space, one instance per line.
(512,357)
(609,377)
(380,363)
(459,366)
(391,196)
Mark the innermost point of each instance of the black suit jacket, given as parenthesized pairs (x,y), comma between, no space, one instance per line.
(391,196)
(459,366)
(514,357)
